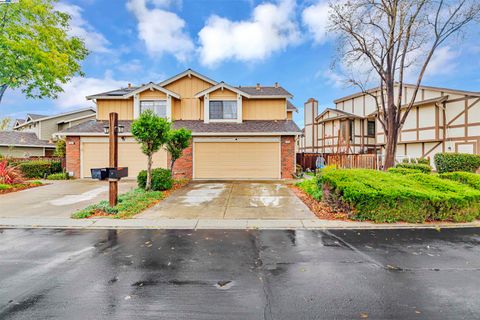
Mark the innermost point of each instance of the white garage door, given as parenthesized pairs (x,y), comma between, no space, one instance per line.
(95,155)
(236,160)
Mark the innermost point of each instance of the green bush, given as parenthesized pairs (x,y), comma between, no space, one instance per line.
(56,167)
(384,197)
(58,176)
(468,178)
(161,179)
(403,171)
(424,168)
(451,162)
(416,160)
(5,186)
(311,187)
(36,168)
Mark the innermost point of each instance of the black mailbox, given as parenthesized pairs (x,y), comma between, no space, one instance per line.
(117,173)
(99,173)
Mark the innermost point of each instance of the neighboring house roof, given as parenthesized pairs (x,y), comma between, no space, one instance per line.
(18,122)
(262,91)
(291,107)
(37,117)
(408,85)
(188,72)
(198,127)
(129,92)
(22,139)
(418,104)
(76,119)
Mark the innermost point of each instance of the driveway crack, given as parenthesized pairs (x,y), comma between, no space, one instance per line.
(228,200)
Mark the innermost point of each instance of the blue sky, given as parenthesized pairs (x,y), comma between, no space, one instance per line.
(241,42)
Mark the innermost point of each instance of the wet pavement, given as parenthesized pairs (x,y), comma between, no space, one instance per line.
(231,200)
(235,274)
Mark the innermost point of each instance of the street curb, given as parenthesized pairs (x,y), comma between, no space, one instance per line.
(208,224)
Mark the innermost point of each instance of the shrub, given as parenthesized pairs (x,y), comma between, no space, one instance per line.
(60,148)
(9,174)
(384,197)
(161,179)
(424,168)
(39,168)
(451,162)
(416,160)
(58,176)
(5,186)
(403,171)
(310,186)
(468,178)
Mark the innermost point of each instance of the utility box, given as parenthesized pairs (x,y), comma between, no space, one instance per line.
(99,173)
(117,173)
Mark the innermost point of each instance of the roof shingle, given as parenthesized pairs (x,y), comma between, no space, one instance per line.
(19,138)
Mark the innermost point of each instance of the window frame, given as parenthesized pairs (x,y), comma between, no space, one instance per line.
(223,112)
(154,100)
(374,128)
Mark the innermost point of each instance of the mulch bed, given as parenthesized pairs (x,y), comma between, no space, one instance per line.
(319,208)
(20,188)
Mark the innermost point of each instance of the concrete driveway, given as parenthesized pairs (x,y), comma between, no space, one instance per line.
(231,200)
(59,199)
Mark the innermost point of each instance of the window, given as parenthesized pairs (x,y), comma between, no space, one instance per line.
(223,110)
(159,107)
(371,128)
(347,129)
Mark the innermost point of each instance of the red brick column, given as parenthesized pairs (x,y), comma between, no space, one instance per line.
(73,156)
(288,156)
(183,167)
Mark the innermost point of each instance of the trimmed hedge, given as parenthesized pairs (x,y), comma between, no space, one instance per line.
(403,171)
(424,168)
(161,179)
(384,197)
(311,187)
(451,162)
(39,168)
(468,178)
(417,160)
(58,176)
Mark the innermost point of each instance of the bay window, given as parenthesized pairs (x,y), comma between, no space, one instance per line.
(223,110)
(159,107)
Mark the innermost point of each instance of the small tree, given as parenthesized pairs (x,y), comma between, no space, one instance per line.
(5,123)
(152,132)
(60,148)
(178,140)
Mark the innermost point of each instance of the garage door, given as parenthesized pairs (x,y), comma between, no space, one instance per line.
(236,160)
(95,155)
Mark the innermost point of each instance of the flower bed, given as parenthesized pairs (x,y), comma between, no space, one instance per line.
(9,188)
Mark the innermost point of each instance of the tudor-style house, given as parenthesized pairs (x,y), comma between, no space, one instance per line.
(442,120)
(238,132)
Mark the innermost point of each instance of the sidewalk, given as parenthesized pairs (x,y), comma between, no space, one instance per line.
(194,224)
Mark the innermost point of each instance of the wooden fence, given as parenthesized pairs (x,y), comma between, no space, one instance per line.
(364,161)
(307,160)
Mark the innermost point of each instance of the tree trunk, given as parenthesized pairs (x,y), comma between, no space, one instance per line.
(3,88)
(172,162)
(391,147)
(148,185)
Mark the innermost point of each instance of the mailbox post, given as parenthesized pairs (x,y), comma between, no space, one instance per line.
(113,155)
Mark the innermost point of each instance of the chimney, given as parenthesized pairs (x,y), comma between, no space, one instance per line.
(276,85)
(129,86)
(258,86)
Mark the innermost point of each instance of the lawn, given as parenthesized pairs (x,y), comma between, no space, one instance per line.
(8,188)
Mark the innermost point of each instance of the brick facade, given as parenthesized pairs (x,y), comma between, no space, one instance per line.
(73,156)
(288,156)
(183,167)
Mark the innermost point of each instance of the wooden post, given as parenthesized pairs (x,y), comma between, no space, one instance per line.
(113,156)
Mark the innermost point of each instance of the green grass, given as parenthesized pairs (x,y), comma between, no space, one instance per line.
(5,186)
(129,204)
(387,197)
(310,186)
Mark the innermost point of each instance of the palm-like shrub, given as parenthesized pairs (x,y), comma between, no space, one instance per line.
(10,174)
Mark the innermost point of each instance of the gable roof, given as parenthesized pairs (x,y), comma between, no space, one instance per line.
(189,72)
(18,122)
(24,139)
(126,93)
(221,85)
(37,117)
(291,107)
(341,114)
(266,91)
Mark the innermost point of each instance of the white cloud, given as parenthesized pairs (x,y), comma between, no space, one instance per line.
(271,28)
(78,88)
(333,78)
(315,18)
(444,62)
(79,27)
(162,31)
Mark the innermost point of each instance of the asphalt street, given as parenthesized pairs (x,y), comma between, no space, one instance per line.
(221,274)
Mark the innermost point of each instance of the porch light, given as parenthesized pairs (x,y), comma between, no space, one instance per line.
(106,129)
(121,128)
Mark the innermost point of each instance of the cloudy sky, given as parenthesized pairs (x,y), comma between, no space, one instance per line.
(241,42)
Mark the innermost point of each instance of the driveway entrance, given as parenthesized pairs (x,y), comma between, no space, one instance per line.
(231,200)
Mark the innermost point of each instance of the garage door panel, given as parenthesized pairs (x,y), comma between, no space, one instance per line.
(237,160)
(95,155)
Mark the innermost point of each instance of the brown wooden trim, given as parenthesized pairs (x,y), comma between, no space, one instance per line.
(466,118)
(430,150)
(437,121)
(467,143)
(472,124)
(417,129)
(465,110)
(418,118)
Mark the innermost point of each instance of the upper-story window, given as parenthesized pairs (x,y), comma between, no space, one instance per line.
(371,128)
(223,109)
(159,107)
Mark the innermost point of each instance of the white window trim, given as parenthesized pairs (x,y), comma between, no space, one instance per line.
(239,110)
(137,109)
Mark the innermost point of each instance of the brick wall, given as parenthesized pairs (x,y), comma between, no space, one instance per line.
(183,166)
(73,156)
(288,156)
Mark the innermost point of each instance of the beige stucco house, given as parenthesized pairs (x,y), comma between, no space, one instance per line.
(442,120)
(238,132)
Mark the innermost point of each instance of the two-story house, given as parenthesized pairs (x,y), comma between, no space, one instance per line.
(35,135)
(238,132)
(442,120)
